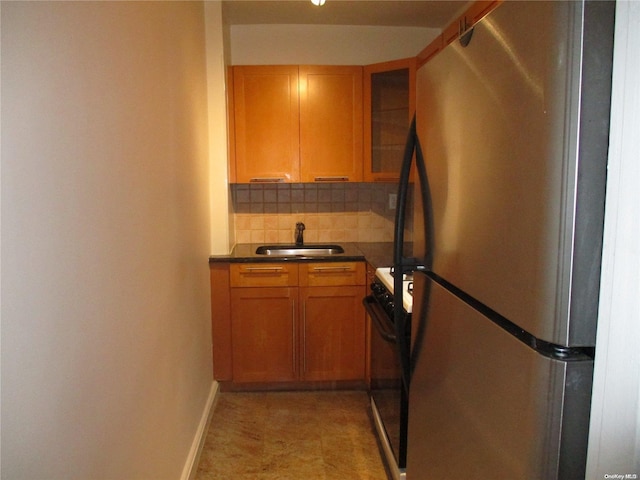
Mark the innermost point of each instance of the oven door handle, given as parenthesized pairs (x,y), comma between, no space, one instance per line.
(380,319)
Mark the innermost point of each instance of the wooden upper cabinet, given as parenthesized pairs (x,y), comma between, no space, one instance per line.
(296,124)
(266,119)
(331,123)
(389,105)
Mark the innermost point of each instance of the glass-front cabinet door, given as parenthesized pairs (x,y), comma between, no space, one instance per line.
(389,105)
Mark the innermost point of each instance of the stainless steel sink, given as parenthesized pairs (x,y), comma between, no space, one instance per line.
(299,250)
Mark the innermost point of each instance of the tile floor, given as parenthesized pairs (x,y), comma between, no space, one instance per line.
(291,435)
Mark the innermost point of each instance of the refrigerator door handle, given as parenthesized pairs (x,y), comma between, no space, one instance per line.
(400,263)
(412,145)
(403,191)
(379,319)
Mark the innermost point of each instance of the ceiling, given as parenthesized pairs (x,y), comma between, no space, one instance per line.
(411,13)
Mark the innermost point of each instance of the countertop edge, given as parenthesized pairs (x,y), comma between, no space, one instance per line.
(378,254)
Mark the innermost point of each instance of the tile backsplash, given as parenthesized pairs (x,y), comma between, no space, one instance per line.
(331,212)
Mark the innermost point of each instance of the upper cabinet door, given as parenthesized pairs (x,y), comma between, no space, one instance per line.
(266,117)
(331,123)
(389,105)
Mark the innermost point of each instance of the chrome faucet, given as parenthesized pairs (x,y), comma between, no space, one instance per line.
(299,229)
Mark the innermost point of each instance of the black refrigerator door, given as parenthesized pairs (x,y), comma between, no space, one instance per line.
(485,405)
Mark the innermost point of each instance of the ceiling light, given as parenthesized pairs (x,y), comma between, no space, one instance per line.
(318,3)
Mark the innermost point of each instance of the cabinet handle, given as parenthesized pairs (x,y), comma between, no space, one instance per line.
(331,179)
(267,179)
(341,268)
(304,337)
(263,269)
(293,332)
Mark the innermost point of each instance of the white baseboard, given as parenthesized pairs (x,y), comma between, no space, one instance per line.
(191,465)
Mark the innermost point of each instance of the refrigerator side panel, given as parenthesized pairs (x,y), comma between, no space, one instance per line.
(593,148)
(576,411)
(484,405)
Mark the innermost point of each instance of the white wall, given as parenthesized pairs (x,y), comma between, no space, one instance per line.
(222,226)
(614,442)
(106,348)
(325,44)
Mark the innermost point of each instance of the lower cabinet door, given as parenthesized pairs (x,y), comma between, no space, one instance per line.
(332,333)
(264,334)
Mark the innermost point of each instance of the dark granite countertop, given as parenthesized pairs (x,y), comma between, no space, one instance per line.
(378,254)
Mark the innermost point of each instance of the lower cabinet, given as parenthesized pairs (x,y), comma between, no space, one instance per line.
(263,334)
(332,334)
(294,322)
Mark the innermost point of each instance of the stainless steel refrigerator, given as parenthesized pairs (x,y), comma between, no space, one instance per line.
(513,128)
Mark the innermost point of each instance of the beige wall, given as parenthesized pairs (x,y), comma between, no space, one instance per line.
(325,44)
(106,350)
(217,37)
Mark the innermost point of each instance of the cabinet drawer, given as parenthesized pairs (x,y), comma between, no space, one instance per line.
(331,274)
(264,274)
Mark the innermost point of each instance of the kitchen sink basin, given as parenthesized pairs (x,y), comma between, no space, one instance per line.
(299,250)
